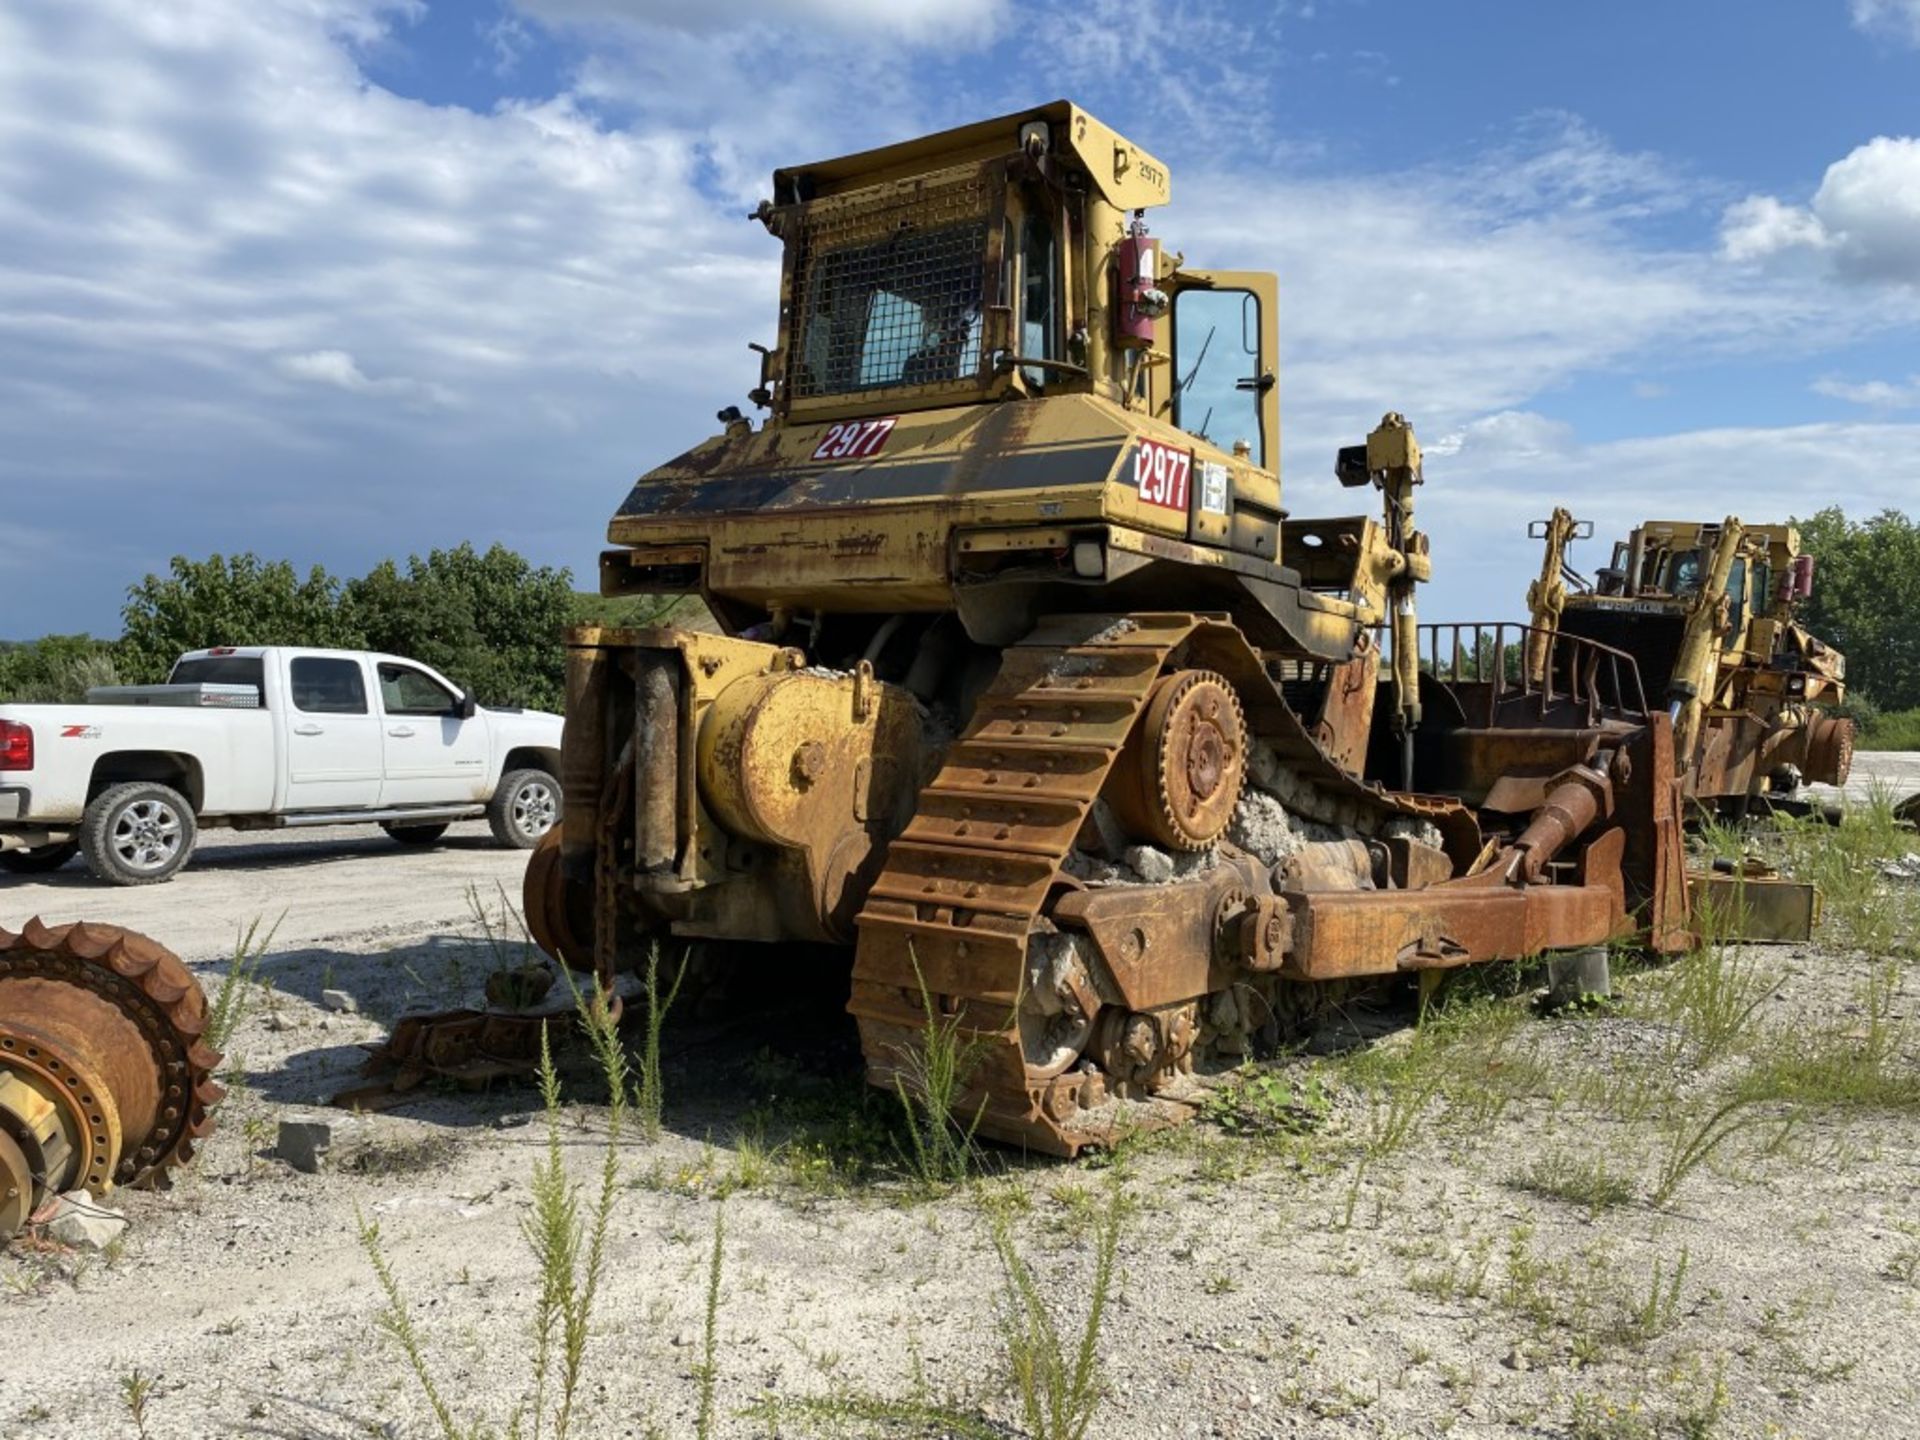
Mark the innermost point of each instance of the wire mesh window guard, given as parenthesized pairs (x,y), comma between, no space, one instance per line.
(889,288)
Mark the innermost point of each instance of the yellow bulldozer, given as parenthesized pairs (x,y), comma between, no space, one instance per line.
(1709,613)
(1028,690)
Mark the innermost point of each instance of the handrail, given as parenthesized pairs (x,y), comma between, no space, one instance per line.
(1603,680)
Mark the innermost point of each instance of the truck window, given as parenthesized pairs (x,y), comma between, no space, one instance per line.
(222,670)
(406,691)
(328,687)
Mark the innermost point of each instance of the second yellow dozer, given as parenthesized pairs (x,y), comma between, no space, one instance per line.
(1711,614)
(1028,689)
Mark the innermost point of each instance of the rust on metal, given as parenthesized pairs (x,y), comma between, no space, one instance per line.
(104,1080)
(1030,689)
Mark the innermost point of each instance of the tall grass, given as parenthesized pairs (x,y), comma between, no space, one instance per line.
(1054,1374)
(1058,1386)
(1693,1139)
(651,1090)
(235,996)
(568,1242)
(1889,730)
(1861,908)
(708,1374)
(931,1079)
(1713,996)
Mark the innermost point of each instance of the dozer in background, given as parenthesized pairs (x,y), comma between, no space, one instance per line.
(1030,691)
(1709,613)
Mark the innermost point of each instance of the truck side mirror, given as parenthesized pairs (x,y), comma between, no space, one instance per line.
(468,706)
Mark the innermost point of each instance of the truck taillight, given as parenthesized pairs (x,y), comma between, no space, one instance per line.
(16,745)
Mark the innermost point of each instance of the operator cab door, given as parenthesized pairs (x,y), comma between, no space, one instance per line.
(1226,392)
(1226,345)
(333,736)
(431,754)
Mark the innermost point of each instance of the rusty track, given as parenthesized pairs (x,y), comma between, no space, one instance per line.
(104,1079)
(975,873)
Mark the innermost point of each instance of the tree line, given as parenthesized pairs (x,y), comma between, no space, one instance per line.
(1866,603)
(489,620)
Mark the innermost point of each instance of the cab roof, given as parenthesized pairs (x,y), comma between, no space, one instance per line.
(1125,175)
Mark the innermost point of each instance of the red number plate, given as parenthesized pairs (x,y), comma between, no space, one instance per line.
(1163,475)
(855,439)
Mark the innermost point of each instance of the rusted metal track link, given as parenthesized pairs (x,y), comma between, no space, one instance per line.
(976,871)
(104,1079)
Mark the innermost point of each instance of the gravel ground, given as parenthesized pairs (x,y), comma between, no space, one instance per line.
(1367,1278)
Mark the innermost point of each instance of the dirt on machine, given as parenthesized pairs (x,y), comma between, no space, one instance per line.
(1710,613)
(1028,689)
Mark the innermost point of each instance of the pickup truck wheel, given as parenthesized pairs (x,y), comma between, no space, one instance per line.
(138,833)
(414,834)
(41,861)
(525,807)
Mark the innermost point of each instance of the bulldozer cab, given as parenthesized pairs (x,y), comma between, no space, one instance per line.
(1010,259)
(994,393)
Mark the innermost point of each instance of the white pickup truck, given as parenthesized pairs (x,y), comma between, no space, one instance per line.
(262,738)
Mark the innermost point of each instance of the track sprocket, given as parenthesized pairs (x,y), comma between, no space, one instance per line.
(104,1076)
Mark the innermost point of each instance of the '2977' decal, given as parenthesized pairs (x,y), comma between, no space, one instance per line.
(855,439)
(1163,475)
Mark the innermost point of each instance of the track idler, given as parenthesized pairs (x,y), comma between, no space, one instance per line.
(104,1079)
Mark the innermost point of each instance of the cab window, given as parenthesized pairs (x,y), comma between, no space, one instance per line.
(1218,369)
(328,687)
(905,310)
(1039,320)
(406,691)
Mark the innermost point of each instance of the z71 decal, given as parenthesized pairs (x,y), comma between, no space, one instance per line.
(855,439)
(1163,475)
(79,732)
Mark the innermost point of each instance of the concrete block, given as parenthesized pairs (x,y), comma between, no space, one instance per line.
(304,1144)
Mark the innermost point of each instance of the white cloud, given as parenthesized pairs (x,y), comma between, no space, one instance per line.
(1507,435)
(249,299)
(1760,226)
(338,369)
(916,20)
(1865,216)
(1476,507)
(1879,394)
(1899,19)
(234,277)
(1451,293)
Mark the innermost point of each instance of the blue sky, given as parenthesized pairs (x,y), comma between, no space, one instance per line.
(333,280)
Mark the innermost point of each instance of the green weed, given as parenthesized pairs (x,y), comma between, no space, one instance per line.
(136,1392)
(569,1247)
(651,1096)
(1658,1308)
(1694,1139)
(235,996)
(1057,1386)
(1580,1179)
(708,1373)
(1258,1102)
(931,1082)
